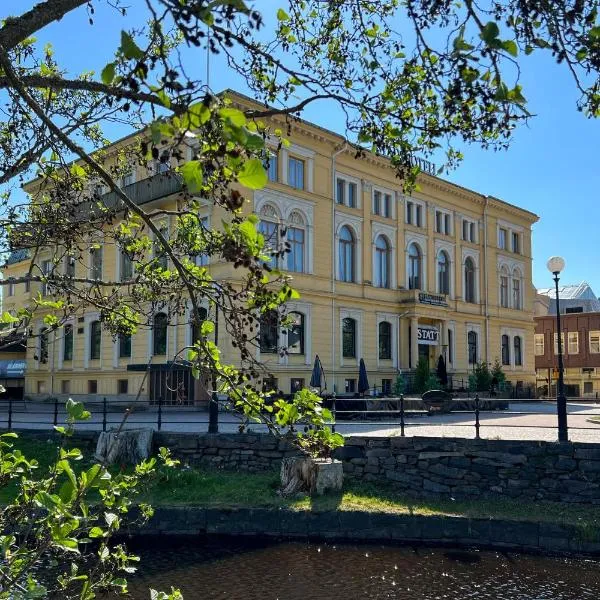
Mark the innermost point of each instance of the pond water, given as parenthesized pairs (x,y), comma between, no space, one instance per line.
(251,570)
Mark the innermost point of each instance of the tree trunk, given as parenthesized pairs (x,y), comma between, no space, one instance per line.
(300,474)
(127,447)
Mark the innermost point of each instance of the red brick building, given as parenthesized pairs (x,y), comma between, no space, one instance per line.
(581,350)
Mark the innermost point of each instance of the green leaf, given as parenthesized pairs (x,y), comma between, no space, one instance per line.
(511,47)
(129,48)
(108,73)
(489,33)
(193,175)
(253,174)
(76,410)
(96,532)
(282,15)
(8,318)
(235,116)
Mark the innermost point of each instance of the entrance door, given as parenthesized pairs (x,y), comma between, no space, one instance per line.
(424,352)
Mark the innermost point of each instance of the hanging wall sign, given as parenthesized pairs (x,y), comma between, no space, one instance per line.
(428,335)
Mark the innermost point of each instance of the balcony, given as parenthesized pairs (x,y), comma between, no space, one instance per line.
(147,190)
(419,297)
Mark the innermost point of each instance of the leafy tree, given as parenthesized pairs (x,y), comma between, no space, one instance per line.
(399,385)
(422,376)
(481,378)
(498,375)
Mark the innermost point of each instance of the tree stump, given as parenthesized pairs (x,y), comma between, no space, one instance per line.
(126,447)
(301,474)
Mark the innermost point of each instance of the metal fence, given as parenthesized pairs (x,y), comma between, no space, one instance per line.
(475,417)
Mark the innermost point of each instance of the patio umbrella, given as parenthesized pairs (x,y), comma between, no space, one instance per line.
(317,378)
(441,372)
(363,382)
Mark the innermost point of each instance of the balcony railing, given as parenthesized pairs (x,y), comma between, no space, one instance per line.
(149,189)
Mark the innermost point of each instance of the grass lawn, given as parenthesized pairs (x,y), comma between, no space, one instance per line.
(203,487)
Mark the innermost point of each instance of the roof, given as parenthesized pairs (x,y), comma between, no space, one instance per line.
(17,256)
(581,291)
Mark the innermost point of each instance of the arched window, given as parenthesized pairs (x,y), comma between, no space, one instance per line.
(295,333)
(269,228)
(126,266)
(196,320)
(504,287)
(95,340)
(162,260)
(382,262)
(505,350)
(269,332)
(68,343)
(469,280)
(43,345)
(296,238)
(415,267)
(472,346)
(96,271)
(385,340)
(124,345)
(159,330)
(349,338)
(347,250)
(518,351)
(443,269)
(516,282)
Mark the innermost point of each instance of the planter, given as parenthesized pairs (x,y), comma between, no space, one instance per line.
(313,476)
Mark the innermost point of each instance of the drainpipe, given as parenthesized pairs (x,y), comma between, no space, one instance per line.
(485,264)
(333,189)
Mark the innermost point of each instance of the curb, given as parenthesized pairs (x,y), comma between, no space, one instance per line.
(353,526)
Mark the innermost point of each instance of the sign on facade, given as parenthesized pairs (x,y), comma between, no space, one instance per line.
(428,336)
(432,299)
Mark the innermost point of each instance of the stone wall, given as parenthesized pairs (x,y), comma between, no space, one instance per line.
(420,466)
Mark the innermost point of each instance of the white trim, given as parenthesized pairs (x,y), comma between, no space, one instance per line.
(476,327)
(421,242)
(414,202)
(511,226)
(348,179)
(512,333)
(61,344)
(474,255)
(451,326)
(390,232)
(88,318)
(444,212)
(306,309)
(355,224)
(450,249)
(357,315)
(393,320)
(384,191)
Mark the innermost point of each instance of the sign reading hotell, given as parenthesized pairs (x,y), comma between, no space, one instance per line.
(428,336)
(433,299)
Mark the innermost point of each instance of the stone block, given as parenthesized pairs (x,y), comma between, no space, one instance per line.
(444,528)
(499,457)
(377,453)
(587,453)
(446,471)
(513,532)
(348,452)
(589,466)
(356,441)
(438,455)
(433,486)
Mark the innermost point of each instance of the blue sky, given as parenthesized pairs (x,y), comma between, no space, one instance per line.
(551,168)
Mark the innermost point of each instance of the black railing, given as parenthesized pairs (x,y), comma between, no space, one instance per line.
(466,418)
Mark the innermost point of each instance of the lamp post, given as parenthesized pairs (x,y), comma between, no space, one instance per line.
(555,265)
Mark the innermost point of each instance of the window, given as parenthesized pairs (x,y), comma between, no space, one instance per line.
(296,384)
(65,386)
(349,338)
(450,346)
(43,345)
(377,202)
(594,342)
(159,333)
(46,269)
(414,214)
(270,384)
(295,333)
(443,268)
(92,386)
(95,340)
(385,340)
(516,289)
(68,342)
(122,386)
(350,386)
(96,270)
(269,332)
(415,264)
(469,280)
(573,338)
(588,387)
(162,260)
(124,345)
(419,215)
(271,165)
(295,256)
(562,342)
(409,212)
(469,231)
(41,387)
(382,203)
(538,342)
(129,178)
(516,243)
(270,232)
(340,197)
(196,320)
(573,309)
(502,234)
(296,173)
(518,352)
(442,222)
(347,247)
(202,259)
(472,347)
(504,288)
(70,266)
(505,350)
(352,194)
(11,287)
(382,262)
(126,266)
(386,387)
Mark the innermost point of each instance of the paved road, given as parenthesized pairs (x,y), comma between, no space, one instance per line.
(530,420)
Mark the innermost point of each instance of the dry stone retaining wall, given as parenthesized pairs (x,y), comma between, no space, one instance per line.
(420,466)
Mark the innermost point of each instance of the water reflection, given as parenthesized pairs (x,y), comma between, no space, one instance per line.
(249,570)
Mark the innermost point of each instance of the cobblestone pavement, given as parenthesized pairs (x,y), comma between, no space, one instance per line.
(523,420)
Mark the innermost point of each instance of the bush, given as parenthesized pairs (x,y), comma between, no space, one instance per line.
(432,383)
(399,385)
(422,375)
(481,378)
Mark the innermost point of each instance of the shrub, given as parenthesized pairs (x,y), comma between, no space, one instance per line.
(422,375)
(481,378)
(399,385)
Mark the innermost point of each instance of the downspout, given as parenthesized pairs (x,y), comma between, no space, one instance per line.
(485,264)
(333,266)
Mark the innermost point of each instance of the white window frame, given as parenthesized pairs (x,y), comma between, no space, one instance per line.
(355,224)
(421,242)
(89,318)
(357,315)
(573,342)
(446,219)
(451,326)
(302,153)
(555,343)
(516,235)
(393,320)
(594,342)
(477,329)
(384,192)
(539,343)
(390,233)
(410,206)
(512,334)
(449,248)
(474,255)
(501,245)
(348,179)
(61,345)
(306,309)
(472,228)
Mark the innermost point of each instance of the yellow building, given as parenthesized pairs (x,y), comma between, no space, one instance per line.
(382,276)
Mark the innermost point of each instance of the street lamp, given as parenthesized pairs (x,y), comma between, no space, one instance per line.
(555,265)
